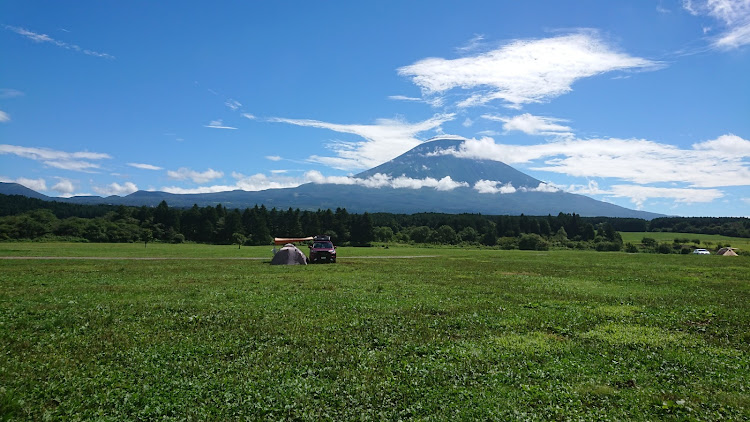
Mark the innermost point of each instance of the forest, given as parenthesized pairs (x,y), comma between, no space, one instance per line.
(23,218)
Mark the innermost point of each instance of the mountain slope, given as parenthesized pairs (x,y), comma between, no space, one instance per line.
(424,161)
(419,163)
(16,189)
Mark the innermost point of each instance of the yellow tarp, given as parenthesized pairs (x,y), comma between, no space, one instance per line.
(285,240)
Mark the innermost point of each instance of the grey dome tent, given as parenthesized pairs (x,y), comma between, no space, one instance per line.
(289,255)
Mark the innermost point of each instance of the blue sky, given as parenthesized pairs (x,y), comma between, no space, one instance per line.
(645,104)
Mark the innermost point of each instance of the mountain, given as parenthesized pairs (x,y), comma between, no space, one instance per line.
(424,161)
(16,189)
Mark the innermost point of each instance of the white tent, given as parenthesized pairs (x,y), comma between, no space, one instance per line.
(289,255)
(727,252)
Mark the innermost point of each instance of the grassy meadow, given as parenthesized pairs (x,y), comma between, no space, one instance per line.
(712,239)
(454,334)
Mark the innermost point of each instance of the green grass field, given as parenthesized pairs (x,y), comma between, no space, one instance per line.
(714,239)
(465,334)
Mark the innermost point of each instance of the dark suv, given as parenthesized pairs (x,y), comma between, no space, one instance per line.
(322,250)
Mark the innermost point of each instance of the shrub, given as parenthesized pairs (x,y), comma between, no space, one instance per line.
(664,248)
(531,242)
(608,246)
(507,243)
(630,248)
(648,242)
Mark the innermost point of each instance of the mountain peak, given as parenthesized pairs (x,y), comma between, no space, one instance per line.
(426,160)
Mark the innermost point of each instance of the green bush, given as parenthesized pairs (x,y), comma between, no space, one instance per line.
(608,246)
(664,248)
(532,242)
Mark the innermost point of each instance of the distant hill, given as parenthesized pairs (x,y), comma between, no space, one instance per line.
(16,189)
(418,163)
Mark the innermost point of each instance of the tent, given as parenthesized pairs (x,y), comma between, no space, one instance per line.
(727,252)
(289,255)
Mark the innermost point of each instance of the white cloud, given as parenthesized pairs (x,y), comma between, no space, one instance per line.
(233,104)
(474,44)
(532,125)
(116,189)
(251,183)
(405,98)
(719,162)
(4,117)
(544,187)
(76,161)
(144,166)
(493,186)
(488,133)
(64,187)
(273,157)
(279,171)
(218,124)
(522,71)
(44,38)
(6,93)
(260,181)
(184,173)
(733,14)
(384,140)
(639,194)
(248,116)
(33,184)
(468,122)
(380,180)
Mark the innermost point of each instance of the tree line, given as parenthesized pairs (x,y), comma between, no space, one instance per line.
(28,218)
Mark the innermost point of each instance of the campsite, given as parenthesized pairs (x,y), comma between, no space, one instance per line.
(212,332)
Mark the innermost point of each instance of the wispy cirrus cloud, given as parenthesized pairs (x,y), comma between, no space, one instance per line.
(218,124)
(532,125)
(522,71)
(184,173)
(639,194)
(405,98)
(4,117)
(143,166)
(714,163)
(44,38)
(383,141)
(734,15)
(76,161)
(234,105)
(6,93)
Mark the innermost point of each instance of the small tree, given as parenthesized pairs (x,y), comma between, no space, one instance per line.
(147,236)
(561,236)
(648,242)
(530,242)
(630,248)
(239,239)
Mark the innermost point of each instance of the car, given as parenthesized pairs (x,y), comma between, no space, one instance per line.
(701,252)
(322,250)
